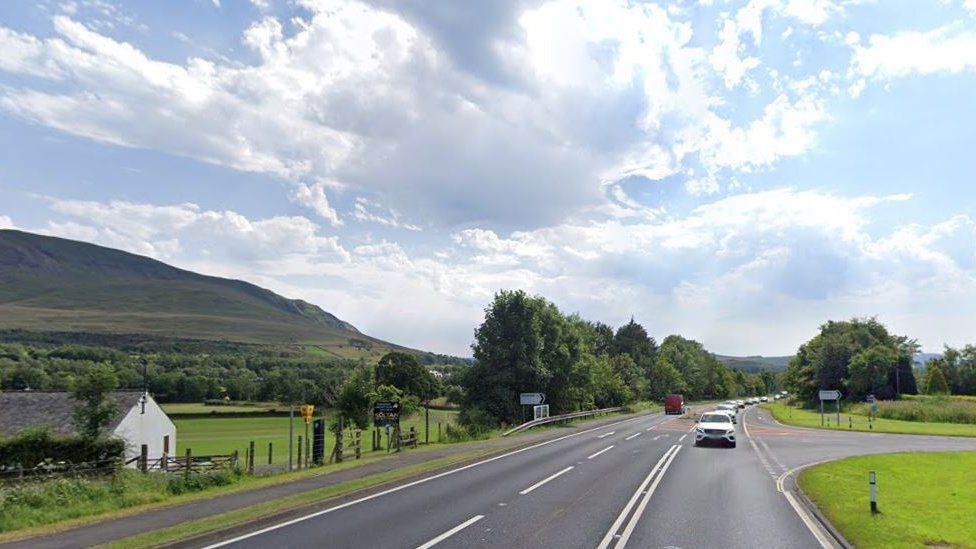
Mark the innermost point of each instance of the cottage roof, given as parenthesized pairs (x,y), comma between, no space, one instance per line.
(21,410)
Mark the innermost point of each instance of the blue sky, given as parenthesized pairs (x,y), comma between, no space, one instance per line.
(735,171)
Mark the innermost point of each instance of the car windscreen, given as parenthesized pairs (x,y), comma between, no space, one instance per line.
(716,418)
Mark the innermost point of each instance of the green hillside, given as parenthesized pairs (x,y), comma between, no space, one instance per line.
(755,364)
(50,284)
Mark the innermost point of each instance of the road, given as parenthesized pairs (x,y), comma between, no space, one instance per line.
(640,482)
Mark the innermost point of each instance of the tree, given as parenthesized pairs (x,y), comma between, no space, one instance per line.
(95,407)
(403,371)
(869,370)
(935,380)
(355,397)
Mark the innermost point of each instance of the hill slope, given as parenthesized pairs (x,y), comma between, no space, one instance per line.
(755,364)
(57,285)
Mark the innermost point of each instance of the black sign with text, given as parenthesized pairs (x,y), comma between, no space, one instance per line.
(386,413)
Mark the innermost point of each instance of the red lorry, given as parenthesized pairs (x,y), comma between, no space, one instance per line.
(674,404)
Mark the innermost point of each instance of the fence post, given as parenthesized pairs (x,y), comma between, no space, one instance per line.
(234,458)
(269,453)
(299,451)
(308,448)
(438,431)
(144,458)
(189,462)
(359,443)
(250,457)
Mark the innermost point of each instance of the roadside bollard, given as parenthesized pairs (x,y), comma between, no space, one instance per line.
(872,480)
(850,422)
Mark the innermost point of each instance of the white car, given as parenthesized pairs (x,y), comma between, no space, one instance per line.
(741,403)
(763,399)
(730,409)
(715,427)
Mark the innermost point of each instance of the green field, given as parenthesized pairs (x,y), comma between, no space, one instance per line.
(925,499)
(211,436)
(800,417)
(177,408)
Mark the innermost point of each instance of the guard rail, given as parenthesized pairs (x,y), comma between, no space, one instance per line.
(562,417)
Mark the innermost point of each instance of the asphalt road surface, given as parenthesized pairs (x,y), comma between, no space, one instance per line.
(640,482)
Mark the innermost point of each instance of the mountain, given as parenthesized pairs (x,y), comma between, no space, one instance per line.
(755,364)
(50,284)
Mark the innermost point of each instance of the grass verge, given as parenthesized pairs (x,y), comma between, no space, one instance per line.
(925,499)
(791,415)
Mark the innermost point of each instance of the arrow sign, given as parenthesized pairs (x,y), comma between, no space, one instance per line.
(531,399)
(829,395)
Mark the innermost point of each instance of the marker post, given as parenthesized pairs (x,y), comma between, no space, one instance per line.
(872,480)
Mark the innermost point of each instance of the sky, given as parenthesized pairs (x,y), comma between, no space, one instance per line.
(737,172)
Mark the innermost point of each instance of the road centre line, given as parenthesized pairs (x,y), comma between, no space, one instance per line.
(659,436)
(600,452)
(605,542)
(451,532)
(635,435)
(625,536)
(410,485)
(682,437)
(545,480)
(606,434)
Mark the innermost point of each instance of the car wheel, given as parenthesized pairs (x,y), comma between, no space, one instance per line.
(731,445)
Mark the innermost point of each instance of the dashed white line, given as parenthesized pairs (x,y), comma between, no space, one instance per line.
(659,436)
(635,435)
(451,532)
(606,434)
(682,437)
(600,452)
(651,428)
(545,480)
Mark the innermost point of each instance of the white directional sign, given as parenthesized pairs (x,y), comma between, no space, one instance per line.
(829,395)
(531,399)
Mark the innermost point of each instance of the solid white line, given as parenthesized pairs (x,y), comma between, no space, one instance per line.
(600,452)
(451,532)
(606,434)
(635,435)
(682,437)
(545,480)
(814,529)
(622,542)
(408,485)
(605,542)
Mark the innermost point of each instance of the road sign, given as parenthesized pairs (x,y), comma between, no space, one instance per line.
(540,411)
(870,399)
(307,410)
(386,413)
(531,399)
(829,395)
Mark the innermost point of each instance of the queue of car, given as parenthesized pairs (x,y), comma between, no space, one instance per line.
(718,425)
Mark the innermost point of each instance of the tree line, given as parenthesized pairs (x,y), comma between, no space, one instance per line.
(526,344)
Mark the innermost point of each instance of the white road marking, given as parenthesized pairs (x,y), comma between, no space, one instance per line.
(625,536)
(606,434)
(451,532)
(600,452)
(635,435)
(610,536)
(651,428)
(545,480)
(659,436)
(409,485)
(682,437)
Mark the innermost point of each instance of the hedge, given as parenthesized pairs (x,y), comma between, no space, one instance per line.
(32,447)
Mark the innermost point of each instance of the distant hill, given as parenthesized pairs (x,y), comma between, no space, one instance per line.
(924,358)
(755,364)
(50,284)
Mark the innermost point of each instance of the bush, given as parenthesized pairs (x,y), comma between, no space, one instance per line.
(181,484)
(34,446)
(477,422)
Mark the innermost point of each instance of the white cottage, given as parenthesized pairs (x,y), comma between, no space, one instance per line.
(139,420)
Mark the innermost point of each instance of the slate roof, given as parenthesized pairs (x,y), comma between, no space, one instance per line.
(20,410)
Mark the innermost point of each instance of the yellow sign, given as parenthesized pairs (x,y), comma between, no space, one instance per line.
(307,410)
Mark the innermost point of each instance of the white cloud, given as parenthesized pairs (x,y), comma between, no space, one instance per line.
(372,212)
(313,196)
(6,222)
(950,49)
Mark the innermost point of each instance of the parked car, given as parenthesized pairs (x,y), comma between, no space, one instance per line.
(674,404)
(715,427)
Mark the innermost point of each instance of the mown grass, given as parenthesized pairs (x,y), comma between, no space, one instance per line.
(217,435)
(936,409)
(180,408)
(44,502)
(791,415)
(925,499)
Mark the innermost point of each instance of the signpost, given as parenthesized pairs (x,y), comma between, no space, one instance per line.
(307,411)
(829,395)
